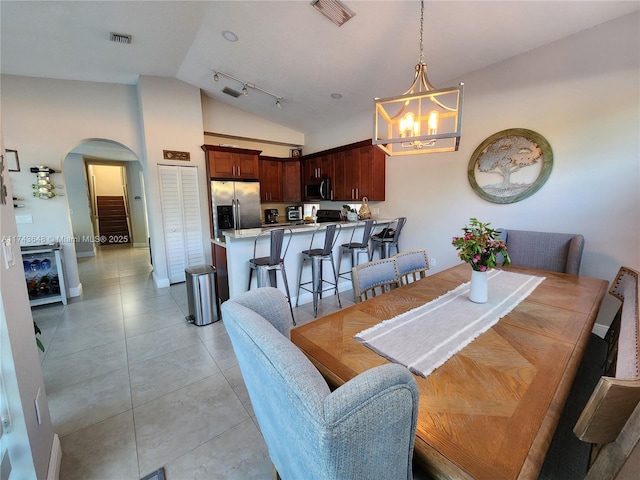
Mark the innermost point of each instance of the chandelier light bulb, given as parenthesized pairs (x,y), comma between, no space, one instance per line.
(434,117)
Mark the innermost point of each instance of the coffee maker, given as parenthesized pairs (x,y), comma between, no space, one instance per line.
(271,215)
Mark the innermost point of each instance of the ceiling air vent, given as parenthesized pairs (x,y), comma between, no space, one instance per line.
(120,38)
(334,10)
(231,91)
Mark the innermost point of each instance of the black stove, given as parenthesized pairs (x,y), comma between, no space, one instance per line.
(326,216)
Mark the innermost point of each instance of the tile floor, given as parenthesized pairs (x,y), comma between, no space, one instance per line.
(133,387)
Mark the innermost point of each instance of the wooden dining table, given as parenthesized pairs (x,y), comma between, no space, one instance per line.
(490,411)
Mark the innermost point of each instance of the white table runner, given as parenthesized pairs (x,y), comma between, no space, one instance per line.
(424,338)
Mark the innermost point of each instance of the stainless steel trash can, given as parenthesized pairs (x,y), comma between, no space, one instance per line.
(201,295)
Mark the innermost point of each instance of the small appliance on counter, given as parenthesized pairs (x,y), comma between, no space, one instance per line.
(326,216)
(271,215)
(294,213)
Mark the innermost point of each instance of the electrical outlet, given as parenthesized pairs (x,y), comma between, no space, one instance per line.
(432,262)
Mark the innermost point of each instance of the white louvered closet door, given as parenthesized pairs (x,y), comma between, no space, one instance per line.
(181,219)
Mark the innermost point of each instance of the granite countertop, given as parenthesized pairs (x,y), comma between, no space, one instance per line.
(295,228)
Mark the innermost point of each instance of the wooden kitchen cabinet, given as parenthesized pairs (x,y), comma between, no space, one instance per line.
(232,163)
(371,173)
(271,179)
(357,171)
(291,185)
(219,256)
(317,166)
(280,179)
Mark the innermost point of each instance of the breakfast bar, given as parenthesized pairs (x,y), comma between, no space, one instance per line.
(238,249)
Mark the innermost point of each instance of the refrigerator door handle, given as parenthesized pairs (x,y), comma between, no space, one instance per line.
(234,210)
(238,215)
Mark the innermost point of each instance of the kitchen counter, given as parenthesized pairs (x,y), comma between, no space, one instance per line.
(239,249)
(295,228)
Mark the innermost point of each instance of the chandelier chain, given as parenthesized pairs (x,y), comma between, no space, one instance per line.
(421,60)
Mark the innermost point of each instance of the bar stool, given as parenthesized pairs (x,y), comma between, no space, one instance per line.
(355,249)
(385,243)
(266,267)
(316,256)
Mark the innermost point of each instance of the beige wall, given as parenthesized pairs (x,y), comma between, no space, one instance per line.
(582,95)
(27,442)
(171,113)
(109,179)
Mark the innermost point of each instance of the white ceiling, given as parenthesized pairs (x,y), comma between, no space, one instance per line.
(285,47)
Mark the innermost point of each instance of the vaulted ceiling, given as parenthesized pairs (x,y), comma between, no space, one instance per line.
(285,47)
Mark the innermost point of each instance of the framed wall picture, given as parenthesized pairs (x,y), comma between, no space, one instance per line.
(510,165)
(295,153)
(13,164)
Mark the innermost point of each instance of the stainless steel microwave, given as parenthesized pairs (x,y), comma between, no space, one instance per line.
(318,189)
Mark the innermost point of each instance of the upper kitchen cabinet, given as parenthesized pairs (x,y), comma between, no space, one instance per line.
(291,185)
(371,168)
(317,166)
(358,170)
(271,179)
(232,163)
(280,179)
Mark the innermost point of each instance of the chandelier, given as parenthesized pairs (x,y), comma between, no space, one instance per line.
(423,119)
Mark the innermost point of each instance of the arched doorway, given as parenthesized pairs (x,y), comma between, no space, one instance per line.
(86,171)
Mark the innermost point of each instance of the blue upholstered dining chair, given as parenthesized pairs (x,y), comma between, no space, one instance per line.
(412,265)
(364,429)
(374,278)
(556,252)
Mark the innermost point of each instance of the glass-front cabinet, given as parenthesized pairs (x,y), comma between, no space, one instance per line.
(44,273)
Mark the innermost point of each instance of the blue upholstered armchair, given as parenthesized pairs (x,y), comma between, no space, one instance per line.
(363,430)
(557,252)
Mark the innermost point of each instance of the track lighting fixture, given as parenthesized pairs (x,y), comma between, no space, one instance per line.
(246,86)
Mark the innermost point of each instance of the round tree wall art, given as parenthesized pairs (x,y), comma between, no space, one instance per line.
(510,165)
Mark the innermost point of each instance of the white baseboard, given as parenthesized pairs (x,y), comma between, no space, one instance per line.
(600,330)
(160,282)
(140,245)
(55,459)
(75,291)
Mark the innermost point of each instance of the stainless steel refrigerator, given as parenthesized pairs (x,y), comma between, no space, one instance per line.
(236,205)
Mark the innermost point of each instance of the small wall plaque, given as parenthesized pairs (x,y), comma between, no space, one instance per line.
(175,155)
